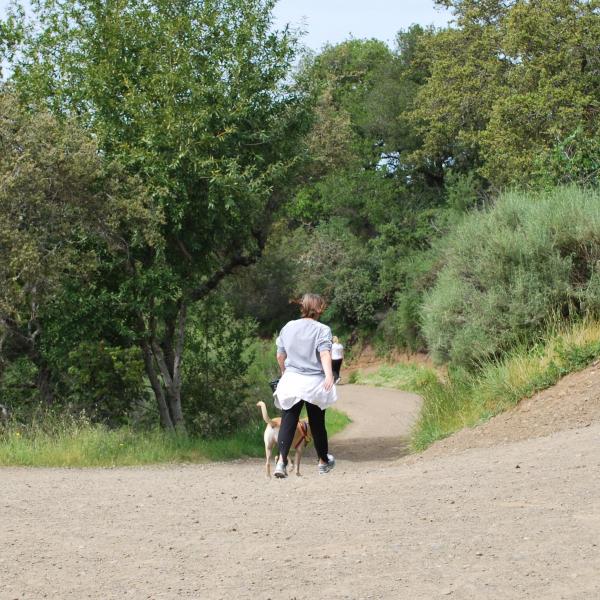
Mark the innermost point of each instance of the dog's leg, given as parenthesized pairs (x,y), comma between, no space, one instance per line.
(298,456)
(268,448)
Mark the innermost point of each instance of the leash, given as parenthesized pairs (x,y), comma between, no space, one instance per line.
(305,436)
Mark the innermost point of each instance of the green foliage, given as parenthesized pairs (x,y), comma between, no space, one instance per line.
(400,326)
(18,389)
(346,74)
(63,210)
(215,363)
(57,198)
(81,444)
(106,382)
(405,277)
(332,262)
(508,271)
(573,160)
(261,371)
(396,82)
(462,191)
(75,442)
(163,145)
(191,98)
(263,291)
(175,91)
(507,84)
(354,377)
(410,377)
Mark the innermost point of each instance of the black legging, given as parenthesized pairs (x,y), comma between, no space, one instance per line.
(336,365)
(316,419)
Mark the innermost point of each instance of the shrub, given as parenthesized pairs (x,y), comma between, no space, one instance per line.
(105,381)
(466,399)
(510,270)
(216,359)
(574,159)
(18,389)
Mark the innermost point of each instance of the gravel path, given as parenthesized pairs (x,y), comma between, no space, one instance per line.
(516,520)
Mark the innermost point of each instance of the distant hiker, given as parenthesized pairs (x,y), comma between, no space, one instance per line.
(337,356)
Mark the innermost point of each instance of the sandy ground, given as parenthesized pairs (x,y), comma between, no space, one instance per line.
(519,519)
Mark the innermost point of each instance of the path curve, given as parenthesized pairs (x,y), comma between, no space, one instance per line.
(382,419)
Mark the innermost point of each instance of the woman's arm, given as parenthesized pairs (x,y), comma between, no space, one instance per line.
(326,362)
(281,361)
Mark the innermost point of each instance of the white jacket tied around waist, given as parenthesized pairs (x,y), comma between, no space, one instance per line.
(294,387)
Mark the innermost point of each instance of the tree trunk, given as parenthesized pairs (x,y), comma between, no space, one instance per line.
(165,417)
(44,385)
(165,359)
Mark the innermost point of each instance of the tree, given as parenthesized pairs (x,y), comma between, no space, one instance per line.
(189,96)
(60,203)
(552,46)
(454,106)
(343,76)
(509,84)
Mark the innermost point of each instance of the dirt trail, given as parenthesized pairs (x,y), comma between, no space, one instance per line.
(381,422)
(519,520)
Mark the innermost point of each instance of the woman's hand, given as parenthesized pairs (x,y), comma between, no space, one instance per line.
(326,362)
(328,382)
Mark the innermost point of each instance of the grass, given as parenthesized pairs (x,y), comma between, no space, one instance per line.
(81,444)
(466,400)
(410,377)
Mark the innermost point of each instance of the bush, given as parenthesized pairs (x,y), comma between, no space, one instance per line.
(216,359)
(18,389)
(107,382)
(574,160)
(510,270)
(333,262)
(401,326)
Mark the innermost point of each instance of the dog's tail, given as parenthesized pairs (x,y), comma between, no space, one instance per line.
(265,416)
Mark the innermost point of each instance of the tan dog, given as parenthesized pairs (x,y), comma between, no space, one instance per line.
(301,438)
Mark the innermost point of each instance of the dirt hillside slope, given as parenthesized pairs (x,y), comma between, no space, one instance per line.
(573,402)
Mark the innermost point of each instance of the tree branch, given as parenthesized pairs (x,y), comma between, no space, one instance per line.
(238,260)
(181,318)
(260,234)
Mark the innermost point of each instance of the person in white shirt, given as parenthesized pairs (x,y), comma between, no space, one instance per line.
(304,357)
(337,356)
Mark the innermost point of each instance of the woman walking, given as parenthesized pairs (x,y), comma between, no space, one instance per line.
(304,357)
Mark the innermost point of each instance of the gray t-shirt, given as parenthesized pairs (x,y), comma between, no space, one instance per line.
(301,341)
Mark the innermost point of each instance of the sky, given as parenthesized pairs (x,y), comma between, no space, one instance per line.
(332,21)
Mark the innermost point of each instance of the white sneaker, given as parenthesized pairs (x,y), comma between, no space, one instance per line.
(328,467)
(280,470)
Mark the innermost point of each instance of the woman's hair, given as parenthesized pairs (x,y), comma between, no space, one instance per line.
(311,306)
(335,339)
